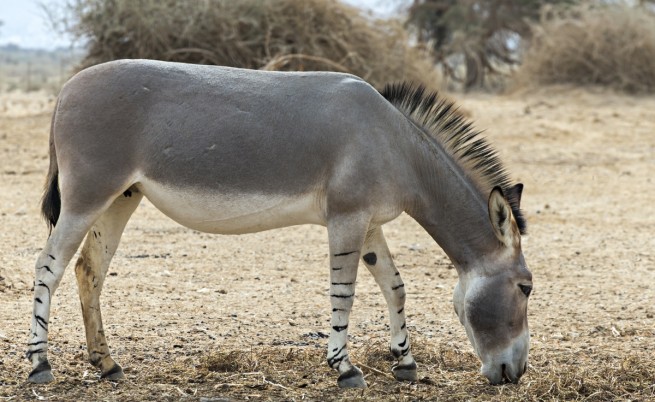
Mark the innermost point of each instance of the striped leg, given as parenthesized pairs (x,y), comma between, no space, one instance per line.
(91,269)
(50,265)
(377,259)
(346,237)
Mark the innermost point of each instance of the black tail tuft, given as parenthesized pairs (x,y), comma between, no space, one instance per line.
(51,201)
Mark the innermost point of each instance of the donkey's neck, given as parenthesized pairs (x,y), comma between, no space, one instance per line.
(451,208)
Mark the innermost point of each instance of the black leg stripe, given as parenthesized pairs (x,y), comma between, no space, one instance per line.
(339,328)
(38,300)
(36,343)
(47,268)
(405,351)
(334,310)
(403,326)
(402,344)
(402,285)
(342,283)
(344,254)
(44,286)
(333,362)
(401,310)
(338,352)
(42,323)
(343,296)
(31,353)
(52,256)
(337,268)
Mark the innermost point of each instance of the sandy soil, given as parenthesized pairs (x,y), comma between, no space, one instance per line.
(192,316)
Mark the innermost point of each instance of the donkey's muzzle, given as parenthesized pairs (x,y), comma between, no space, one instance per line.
(505,373)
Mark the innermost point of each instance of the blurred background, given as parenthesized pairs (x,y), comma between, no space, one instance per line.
(564,89)
(460,45)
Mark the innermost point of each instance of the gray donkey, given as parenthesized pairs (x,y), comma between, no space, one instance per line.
(225,150)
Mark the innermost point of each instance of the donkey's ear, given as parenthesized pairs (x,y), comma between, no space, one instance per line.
(514,193)
(502,222)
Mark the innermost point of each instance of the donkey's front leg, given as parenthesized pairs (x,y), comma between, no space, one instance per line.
(378,260)
(346,237)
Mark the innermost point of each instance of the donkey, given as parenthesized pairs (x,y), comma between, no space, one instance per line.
(231,151)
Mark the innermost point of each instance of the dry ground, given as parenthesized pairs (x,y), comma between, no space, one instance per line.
(192,316)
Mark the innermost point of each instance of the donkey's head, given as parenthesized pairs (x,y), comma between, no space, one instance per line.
(491,298)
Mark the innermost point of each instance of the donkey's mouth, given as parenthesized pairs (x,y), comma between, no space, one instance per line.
(506,379)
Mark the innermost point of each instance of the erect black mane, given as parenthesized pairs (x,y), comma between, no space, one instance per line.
(439,118)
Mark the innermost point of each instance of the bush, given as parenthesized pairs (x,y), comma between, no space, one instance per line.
(611,46)
(261,34)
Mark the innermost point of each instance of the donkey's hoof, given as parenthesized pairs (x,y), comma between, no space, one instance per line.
(352,378)
(113,374)
(406,372)
(42,374)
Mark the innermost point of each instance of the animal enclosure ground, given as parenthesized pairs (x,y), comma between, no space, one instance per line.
(192,316)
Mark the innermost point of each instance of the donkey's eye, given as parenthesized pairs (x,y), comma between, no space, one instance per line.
(526,289)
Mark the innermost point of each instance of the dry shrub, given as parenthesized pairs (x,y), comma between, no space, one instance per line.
(611,46)
(259,34)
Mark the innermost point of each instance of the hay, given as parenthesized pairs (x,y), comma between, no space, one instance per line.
(283,373)
(267,34)
(611,46)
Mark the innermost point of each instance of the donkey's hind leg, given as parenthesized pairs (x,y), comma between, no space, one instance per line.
(91,269)
(377,259)
(50,265)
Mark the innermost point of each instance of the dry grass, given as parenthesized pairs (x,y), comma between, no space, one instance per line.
(258,34)
(611,46)
(296,373)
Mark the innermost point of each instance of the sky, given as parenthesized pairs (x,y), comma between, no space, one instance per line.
(24,23)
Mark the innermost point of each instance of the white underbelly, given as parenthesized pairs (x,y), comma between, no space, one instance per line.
(232,213)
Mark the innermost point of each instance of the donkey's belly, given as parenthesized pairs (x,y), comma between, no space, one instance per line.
(211,212)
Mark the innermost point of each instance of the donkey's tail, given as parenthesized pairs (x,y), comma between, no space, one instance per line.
(51,201)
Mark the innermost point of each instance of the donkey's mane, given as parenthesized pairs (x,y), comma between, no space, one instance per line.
(440,120)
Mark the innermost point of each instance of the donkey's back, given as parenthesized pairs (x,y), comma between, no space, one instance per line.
(221,149)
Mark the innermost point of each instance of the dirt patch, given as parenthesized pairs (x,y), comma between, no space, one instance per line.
(192,316)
